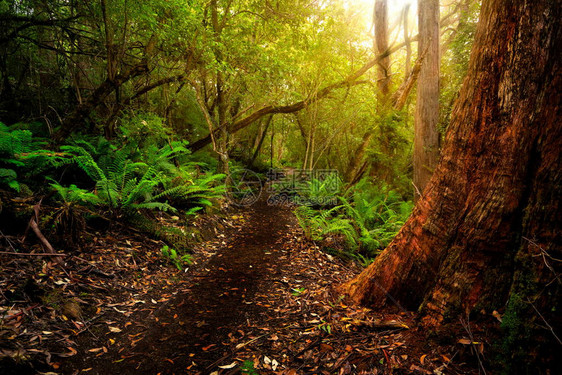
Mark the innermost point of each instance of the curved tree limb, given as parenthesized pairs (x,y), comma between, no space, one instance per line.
(351,80)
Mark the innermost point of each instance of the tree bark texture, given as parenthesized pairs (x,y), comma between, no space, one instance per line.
(380,19)
(487,232)
(426,135)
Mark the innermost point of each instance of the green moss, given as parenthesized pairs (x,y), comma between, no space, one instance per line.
(53,299)
(517,323)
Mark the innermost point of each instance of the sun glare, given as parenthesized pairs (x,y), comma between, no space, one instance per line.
(395,14)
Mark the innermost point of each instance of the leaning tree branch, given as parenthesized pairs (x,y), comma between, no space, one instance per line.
(295,107)
(33,224)
(399,97)
(75,118)
(351,80)
(142,91)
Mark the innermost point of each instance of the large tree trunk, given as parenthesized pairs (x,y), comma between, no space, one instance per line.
(488,229)
(426,136)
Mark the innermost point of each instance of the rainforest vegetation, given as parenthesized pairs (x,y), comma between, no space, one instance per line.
(384,175)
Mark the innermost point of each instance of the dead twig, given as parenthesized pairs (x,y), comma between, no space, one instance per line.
(33,224)
(545,322)
(33,254)
(466,326)
(8,318)
(7,240)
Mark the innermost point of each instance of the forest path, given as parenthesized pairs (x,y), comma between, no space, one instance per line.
(190,332)
(261,301)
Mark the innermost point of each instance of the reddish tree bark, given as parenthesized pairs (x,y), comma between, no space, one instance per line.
(487,231)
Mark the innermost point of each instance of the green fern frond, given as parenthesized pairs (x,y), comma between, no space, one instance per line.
(85,161)
(74,194)
(9,177)
(154,206)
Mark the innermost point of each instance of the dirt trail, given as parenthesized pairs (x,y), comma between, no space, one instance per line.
(262,297)
(190,332)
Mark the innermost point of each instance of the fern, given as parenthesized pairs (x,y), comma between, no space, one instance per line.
(9,177)
(129,186)
(73,194)
(18,150)
(13,142)
(85,161)
(367,219)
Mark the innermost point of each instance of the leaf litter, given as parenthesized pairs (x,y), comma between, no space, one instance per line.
(259,298)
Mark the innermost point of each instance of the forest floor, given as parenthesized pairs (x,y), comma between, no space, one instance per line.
(258,299)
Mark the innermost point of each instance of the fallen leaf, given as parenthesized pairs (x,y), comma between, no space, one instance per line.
(417,368)
(226,367)
(70,353)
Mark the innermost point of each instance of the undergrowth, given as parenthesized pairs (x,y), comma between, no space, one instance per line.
(362,224)
(90,176)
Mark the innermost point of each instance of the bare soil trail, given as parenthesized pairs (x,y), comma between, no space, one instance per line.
(260,298)
(190,332)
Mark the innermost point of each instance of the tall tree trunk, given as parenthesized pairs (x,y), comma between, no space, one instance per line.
(380,19)
(224,134)
(426,136)
(487,230)
(405,15)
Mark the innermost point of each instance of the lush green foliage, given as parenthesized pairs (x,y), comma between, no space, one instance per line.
(366,220)
(150,75)
(455,60)
(310,190)
(14,144)
(129,182)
